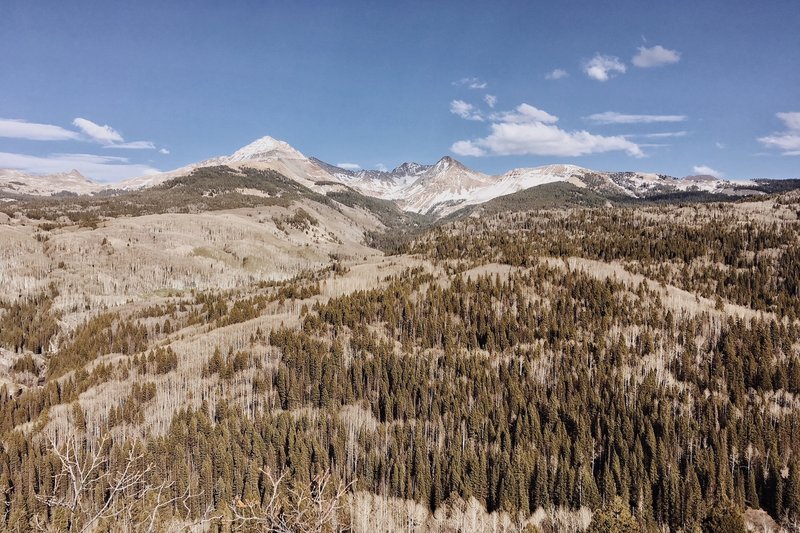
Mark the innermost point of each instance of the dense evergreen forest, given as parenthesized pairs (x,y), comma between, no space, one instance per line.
(637,364)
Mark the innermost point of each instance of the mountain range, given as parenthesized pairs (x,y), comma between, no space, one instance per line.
(438,190)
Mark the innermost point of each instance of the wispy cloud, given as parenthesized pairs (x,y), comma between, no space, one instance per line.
(135,145)
(490,99)
(98,133)
(788,141)
(102,168)
(612,117)
(349,166)
(163,151)
(465,110)
(531,131)
(105,135)
(707,170)
(556,74)
(471,83)
(109,137)
(381,167)
(603,68)
(468,148)
(665,134)
(655,56)
(21,129)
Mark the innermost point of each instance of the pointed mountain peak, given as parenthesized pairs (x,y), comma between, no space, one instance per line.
(75,173)
(410,168)
(266,148)
(447,162)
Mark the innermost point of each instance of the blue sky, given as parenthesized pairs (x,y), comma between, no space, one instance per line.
(119,89)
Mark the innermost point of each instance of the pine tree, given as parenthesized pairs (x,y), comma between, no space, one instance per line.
(614,517)
(725,517)
(793,492)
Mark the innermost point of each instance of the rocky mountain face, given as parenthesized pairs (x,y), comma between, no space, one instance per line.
(438,189)
(387,185)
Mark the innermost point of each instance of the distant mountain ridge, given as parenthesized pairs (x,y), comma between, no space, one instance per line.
(439,189)
(386,185)
(72,182)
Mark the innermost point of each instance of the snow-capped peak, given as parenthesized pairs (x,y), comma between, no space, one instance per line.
(445,163)
(74,173)
(265,148)
(410,169)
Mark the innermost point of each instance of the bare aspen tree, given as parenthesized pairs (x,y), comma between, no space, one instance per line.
(129,499)
(319,506)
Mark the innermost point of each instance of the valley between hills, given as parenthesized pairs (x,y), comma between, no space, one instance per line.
(266,342)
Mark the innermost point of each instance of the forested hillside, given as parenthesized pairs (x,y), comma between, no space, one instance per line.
(630,368)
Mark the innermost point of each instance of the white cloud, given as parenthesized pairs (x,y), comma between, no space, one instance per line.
(602,68)
(349,166)
(792,120)
(655,56)
(556,74)
(612,117)
(467,148)
(102,168)
(788,142)
(135,145)
(707,170)
(101,134)
(525,113)
(109,137)
(381,167)
(465,110)
(163,151)
(531,131)
(472,83)
(665,134)
(490,99)
(20,129)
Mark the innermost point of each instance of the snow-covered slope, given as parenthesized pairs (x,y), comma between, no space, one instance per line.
(449,185)
(265,149)
(642,184)
(438,189)
(263,153)
(524,178)
(386,185)
(18,182)
(442,188)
